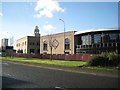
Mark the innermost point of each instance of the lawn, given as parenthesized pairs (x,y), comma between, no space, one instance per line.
(46,61)
(56,63)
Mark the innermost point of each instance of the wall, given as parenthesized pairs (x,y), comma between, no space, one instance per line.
(69,57)
(26,47)
(20,45)
(60,40)
(33,40)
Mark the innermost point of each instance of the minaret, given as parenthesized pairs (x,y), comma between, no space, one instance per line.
(36,32)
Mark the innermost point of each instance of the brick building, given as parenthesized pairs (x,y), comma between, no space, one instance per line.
(29,44)
(82,42)
(55,43)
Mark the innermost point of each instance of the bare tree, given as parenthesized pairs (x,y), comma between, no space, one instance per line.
(53,43)
(50,45)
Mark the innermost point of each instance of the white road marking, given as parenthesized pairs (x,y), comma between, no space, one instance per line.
(5,64)
(60,88)
(9,75)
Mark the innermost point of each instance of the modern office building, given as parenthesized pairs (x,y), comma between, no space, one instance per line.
(97,41)
(5,48)
(29,44)
(4,42)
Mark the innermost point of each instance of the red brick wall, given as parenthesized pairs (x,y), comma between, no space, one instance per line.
(72,57)
(78,57)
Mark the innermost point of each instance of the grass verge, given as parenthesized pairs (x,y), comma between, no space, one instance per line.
(47,61)
(76,64)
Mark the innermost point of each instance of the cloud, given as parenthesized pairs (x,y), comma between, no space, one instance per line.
(49,28)
(1,14)
(47,8)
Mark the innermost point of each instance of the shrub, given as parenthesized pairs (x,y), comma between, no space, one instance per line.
(105,59)
(98,61)
(109,55)
(115,61)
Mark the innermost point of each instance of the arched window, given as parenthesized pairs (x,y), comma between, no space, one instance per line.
(67,43)
(44,45)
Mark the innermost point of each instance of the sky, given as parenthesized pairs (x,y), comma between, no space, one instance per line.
(18,19)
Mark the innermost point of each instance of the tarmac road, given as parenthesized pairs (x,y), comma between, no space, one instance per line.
(27,76)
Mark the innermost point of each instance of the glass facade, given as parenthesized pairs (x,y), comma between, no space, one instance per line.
(85,40)
(91,39)
(113,37)
(97,42)
(97,38)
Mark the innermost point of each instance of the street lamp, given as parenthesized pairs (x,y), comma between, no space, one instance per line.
(64,33)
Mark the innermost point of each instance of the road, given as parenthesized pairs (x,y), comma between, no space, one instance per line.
(27,76)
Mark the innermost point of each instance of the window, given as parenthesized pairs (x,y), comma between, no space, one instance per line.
(32,51)
(67,43)
(25,42)
(38,43)
(17,45)
(30,43)
(38,51)
(45,45)
(85,40)
(22,43)
(106,38)
(24,50)
(33,43)
(97,38)
(113,37)
(20,51)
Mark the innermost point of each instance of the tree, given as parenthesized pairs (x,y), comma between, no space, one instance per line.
(50,45)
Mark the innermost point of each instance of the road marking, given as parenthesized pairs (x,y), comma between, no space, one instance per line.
(9,75)
(60,88)
(5,64)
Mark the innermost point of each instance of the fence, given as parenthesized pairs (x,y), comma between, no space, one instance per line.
(70,57)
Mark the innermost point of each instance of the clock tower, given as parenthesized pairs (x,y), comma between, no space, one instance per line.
(36,32)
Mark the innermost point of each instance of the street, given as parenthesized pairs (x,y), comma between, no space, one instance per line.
(25,76)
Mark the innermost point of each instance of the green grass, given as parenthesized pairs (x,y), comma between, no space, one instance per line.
(47,61)
(57,63)
(100,68)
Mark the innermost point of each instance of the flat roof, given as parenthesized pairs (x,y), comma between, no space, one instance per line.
(58,33)
(95,30)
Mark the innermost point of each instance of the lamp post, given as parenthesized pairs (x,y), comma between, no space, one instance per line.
(64,33)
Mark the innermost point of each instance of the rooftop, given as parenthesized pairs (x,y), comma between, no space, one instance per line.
(95,30)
